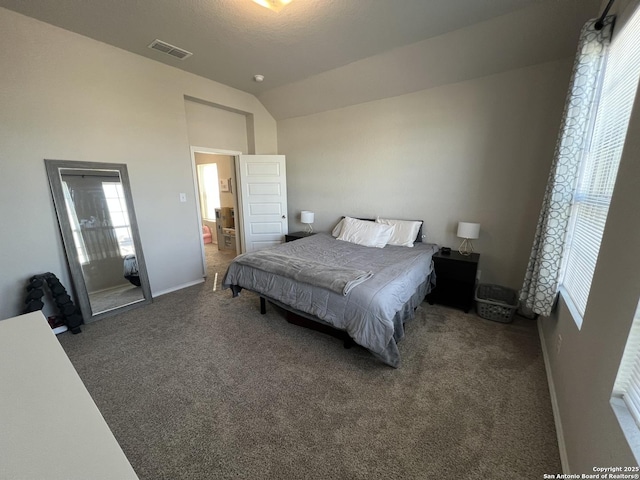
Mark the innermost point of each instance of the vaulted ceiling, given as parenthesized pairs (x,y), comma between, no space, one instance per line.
(316,54)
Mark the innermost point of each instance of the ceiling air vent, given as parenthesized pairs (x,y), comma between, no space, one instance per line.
(169,49)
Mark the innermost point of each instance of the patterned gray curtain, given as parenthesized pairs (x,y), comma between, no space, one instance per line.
(540,286)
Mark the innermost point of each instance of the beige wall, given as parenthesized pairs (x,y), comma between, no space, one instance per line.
(213,127)
(478,150)
(584,364)
(65,96)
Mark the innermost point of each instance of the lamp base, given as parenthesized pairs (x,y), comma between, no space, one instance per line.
(309,229)
(466,247)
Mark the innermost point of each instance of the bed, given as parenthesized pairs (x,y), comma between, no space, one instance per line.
(368,293)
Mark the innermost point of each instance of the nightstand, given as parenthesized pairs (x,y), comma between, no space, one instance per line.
(455,280)
(290,237)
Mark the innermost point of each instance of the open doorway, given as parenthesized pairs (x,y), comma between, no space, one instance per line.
(215,187)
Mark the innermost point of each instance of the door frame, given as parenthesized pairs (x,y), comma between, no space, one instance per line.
(196,195)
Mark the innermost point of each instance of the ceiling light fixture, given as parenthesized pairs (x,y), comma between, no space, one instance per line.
(275,5)
(258,78)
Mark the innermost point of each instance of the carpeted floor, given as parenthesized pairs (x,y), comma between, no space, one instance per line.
(199,385)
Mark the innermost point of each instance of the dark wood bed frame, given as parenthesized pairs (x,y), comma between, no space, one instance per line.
(319,326)
(301,321)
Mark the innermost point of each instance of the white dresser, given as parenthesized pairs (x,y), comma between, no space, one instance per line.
(50,428)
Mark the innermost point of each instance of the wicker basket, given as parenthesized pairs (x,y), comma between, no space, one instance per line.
(496,303)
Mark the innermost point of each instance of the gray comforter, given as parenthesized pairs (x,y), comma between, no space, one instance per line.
(336,278)
(373,312)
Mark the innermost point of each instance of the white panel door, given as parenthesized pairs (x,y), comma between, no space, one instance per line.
(263,198)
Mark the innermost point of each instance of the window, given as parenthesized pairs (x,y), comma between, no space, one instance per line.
(78,239)
(117,206)
(627,384)
(209,190)
(625,398)
(600,166)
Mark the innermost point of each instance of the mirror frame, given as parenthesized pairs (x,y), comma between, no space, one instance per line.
(53,168)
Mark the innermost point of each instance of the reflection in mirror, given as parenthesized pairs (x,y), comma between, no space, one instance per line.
(95,211)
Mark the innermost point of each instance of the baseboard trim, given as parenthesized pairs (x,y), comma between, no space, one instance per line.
(562,447)
(175,289)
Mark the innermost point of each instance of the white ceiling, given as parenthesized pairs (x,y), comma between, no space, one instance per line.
(232,40)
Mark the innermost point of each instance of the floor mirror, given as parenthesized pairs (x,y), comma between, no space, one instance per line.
(97,221)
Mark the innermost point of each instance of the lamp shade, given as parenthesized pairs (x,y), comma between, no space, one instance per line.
(468,230)
(306,216)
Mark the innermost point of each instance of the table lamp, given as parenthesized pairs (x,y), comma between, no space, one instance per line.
(467,231)
(307,217)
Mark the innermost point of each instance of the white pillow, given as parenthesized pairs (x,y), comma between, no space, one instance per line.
(337,229)
(369,234)
(405,232)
